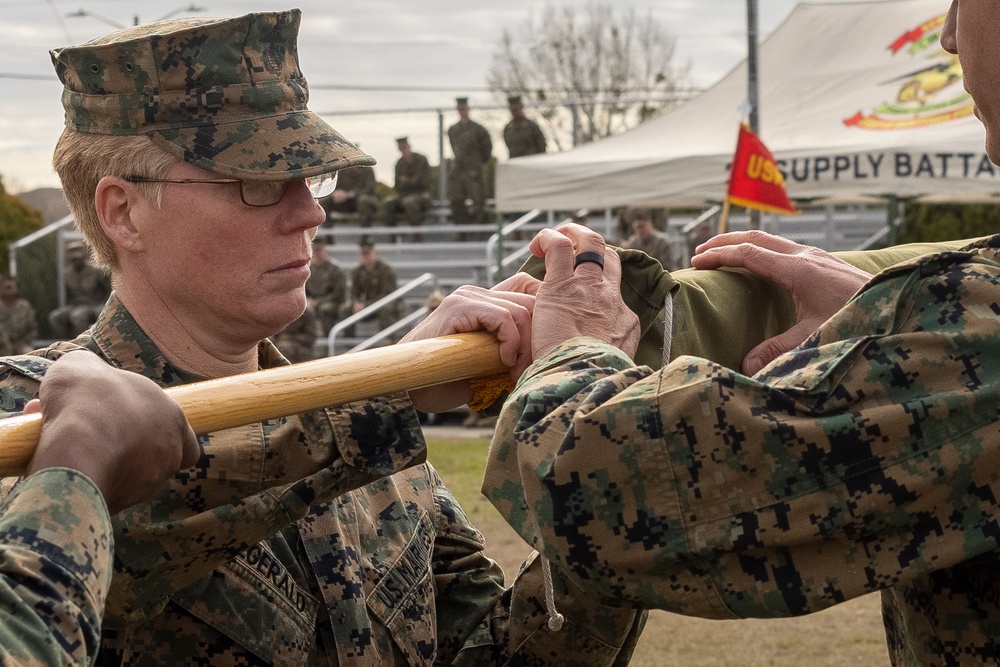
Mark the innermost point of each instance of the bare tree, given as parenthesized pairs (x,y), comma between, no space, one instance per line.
(589,74)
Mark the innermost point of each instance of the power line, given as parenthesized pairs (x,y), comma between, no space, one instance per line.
(33,3)
(680,97)
(390,88)
(28,77)
(62,24)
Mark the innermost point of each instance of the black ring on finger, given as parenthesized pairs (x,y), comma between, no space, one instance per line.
(584,257)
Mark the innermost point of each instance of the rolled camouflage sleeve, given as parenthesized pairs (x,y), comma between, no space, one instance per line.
(481,623)
(55,570)
(250,483)
(861,460)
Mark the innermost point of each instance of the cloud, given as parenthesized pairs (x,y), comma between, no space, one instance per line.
(373,42)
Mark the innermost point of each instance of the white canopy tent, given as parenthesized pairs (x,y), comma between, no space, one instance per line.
(857,100)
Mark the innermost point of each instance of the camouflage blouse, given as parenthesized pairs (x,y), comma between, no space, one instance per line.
(55,569)
(317,539)
(867,459)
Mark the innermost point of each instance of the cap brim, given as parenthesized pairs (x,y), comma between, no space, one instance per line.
(283,147)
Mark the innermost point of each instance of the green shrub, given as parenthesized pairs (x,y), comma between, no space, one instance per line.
(949,222)
(17,220)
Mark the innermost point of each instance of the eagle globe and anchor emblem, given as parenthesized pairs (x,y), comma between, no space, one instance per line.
(927,96)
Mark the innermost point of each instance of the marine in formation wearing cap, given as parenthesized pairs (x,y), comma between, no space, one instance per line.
(192,165)
(17,316)
(87,289)
(371,280)
(412,186)
(355,194)
(472,148)
(522,135)
(326,287)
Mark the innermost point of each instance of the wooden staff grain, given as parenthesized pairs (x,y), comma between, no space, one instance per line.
(232,401)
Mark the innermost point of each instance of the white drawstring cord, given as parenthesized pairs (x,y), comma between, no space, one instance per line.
(556,619)
(668,328)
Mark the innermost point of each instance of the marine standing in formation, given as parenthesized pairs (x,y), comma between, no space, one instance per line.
(522,135)
(472,148)
(648,239)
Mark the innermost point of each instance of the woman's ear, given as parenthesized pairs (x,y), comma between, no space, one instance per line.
(114,201)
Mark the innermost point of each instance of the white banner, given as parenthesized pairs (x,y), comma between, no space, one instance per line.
(857,100)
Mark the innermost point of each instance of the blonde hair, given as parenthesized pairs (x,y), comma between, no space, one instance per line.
(82,160)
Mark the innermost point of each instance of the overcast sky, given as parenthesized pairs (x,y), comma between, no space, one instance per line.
(441,44)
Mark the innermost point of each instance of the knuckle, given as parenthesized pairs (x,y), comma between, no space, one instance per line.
(750,252)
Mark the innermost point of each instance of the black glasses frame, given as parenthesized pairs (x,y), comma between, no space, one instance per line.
(211,181)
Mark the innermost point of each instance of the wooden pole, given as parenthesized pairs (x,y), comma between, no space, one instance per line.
(232,401)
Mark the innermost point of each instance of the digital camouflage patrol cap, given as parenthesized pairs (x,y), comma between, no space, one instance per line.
(223,94)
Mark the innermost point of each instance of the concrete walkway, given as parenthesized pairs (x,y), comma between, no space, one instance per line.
(457,432)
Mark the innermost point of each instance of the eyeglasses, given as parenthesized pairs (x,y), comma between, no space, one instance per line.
(259,194)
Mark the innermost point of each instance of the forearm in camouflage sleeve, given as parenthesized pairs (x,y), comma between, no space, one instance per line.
(211,513)
(249,483)
(479,623)
(55,551)
(850,466)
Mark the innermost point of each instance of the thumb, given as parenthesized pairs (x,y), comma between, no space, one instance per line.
(190,450)
(771,348)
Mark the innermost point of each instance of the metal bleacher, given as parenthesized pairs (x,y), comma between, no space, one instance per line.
(490,253)
(451,255)
(440,261)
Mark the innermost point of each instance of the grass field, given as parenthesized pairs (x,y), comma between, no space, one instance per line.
(849,634)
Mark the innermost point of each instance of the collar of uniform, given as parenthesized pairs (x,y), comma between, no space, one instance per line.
(941,255)
(123,342)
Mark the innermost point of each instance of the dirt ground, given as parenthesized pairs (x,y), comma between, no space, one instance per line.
(849,634)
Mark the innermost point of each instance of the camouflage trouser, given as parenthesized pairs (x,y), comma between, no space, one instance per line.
(366,206)
(413,207)
(329,314)
(70,321)
(467,193)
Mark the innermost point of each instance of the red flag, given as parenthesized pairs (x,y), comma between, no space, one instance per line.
(755,180)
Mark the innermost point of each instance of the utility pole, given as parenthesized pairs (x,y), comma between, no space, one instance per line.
(753,96)
(442,167)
